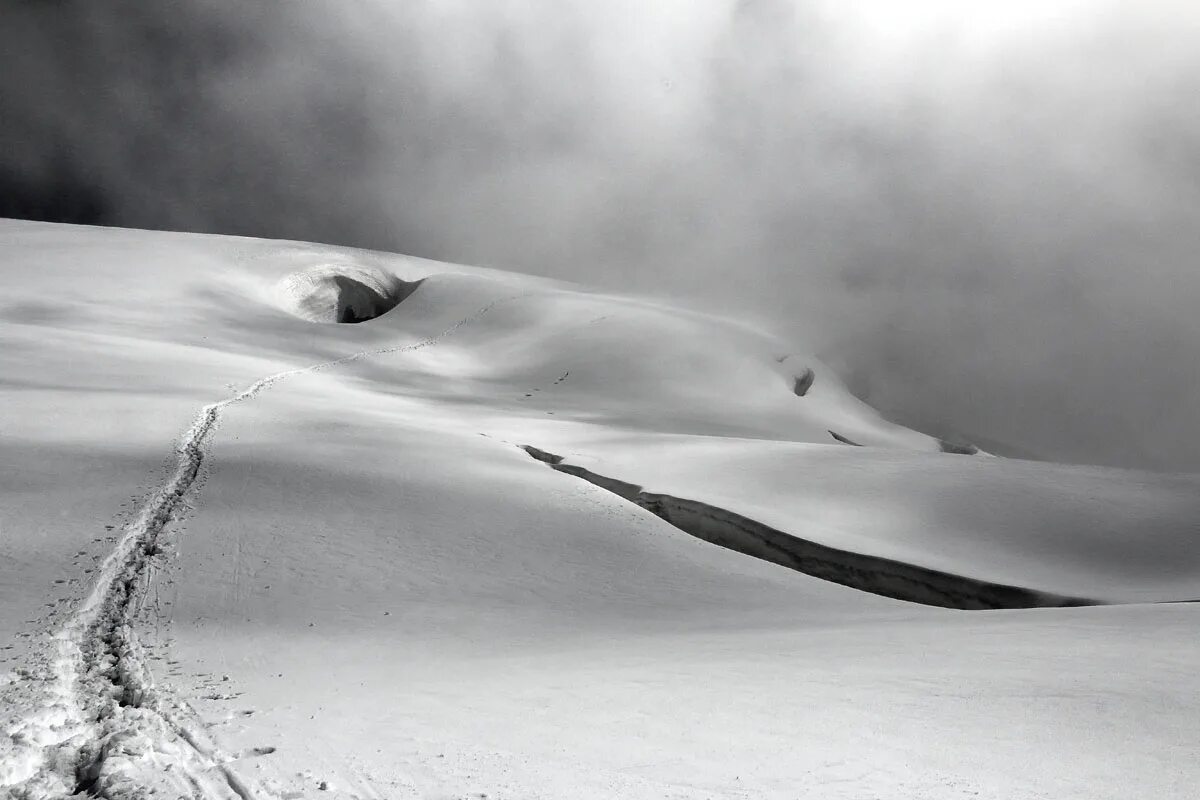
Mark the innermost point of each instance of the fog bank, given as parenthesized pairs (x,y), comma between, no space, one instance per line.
(986,215)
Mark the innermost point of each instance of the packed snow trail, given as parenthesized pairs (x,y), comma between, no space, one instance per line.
(94,721)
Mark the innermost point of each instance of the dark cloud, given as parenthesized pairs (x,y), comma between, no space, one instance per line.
(988,219)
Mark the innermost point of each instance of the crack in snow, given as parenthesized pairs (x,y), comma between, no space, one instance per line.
(875,574)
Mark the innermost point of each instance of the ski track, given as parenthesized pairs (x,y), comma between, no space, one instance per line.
(94,721)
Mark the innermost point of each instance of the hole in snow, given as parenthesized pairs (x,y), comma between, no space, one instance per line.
(804,382)
(341,293)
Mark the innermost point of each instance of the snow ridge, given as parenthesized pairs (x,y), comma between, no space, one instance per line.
(95,722)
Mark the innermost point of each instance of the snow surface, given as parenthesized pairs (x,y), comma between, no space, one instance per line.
(244,553)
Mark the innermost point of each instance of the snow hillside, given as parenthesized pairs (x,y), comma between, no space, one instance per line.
(288,520)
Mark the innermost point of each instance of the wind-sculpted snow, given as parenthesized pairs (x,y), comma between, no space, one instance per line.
(862,571)
(93,720)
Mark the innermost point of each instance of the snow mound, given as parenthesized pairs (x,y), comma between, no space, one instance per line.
(341,293)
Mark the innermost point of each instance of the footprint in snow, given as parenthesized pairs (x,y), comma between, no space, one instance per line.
(257,751)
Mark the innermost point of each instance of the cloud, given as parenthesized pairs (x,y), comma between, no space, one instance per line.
(984,213)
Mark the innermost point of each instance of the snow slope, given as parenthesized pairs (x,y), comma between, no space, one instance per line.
(1106,534)
(247,551)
